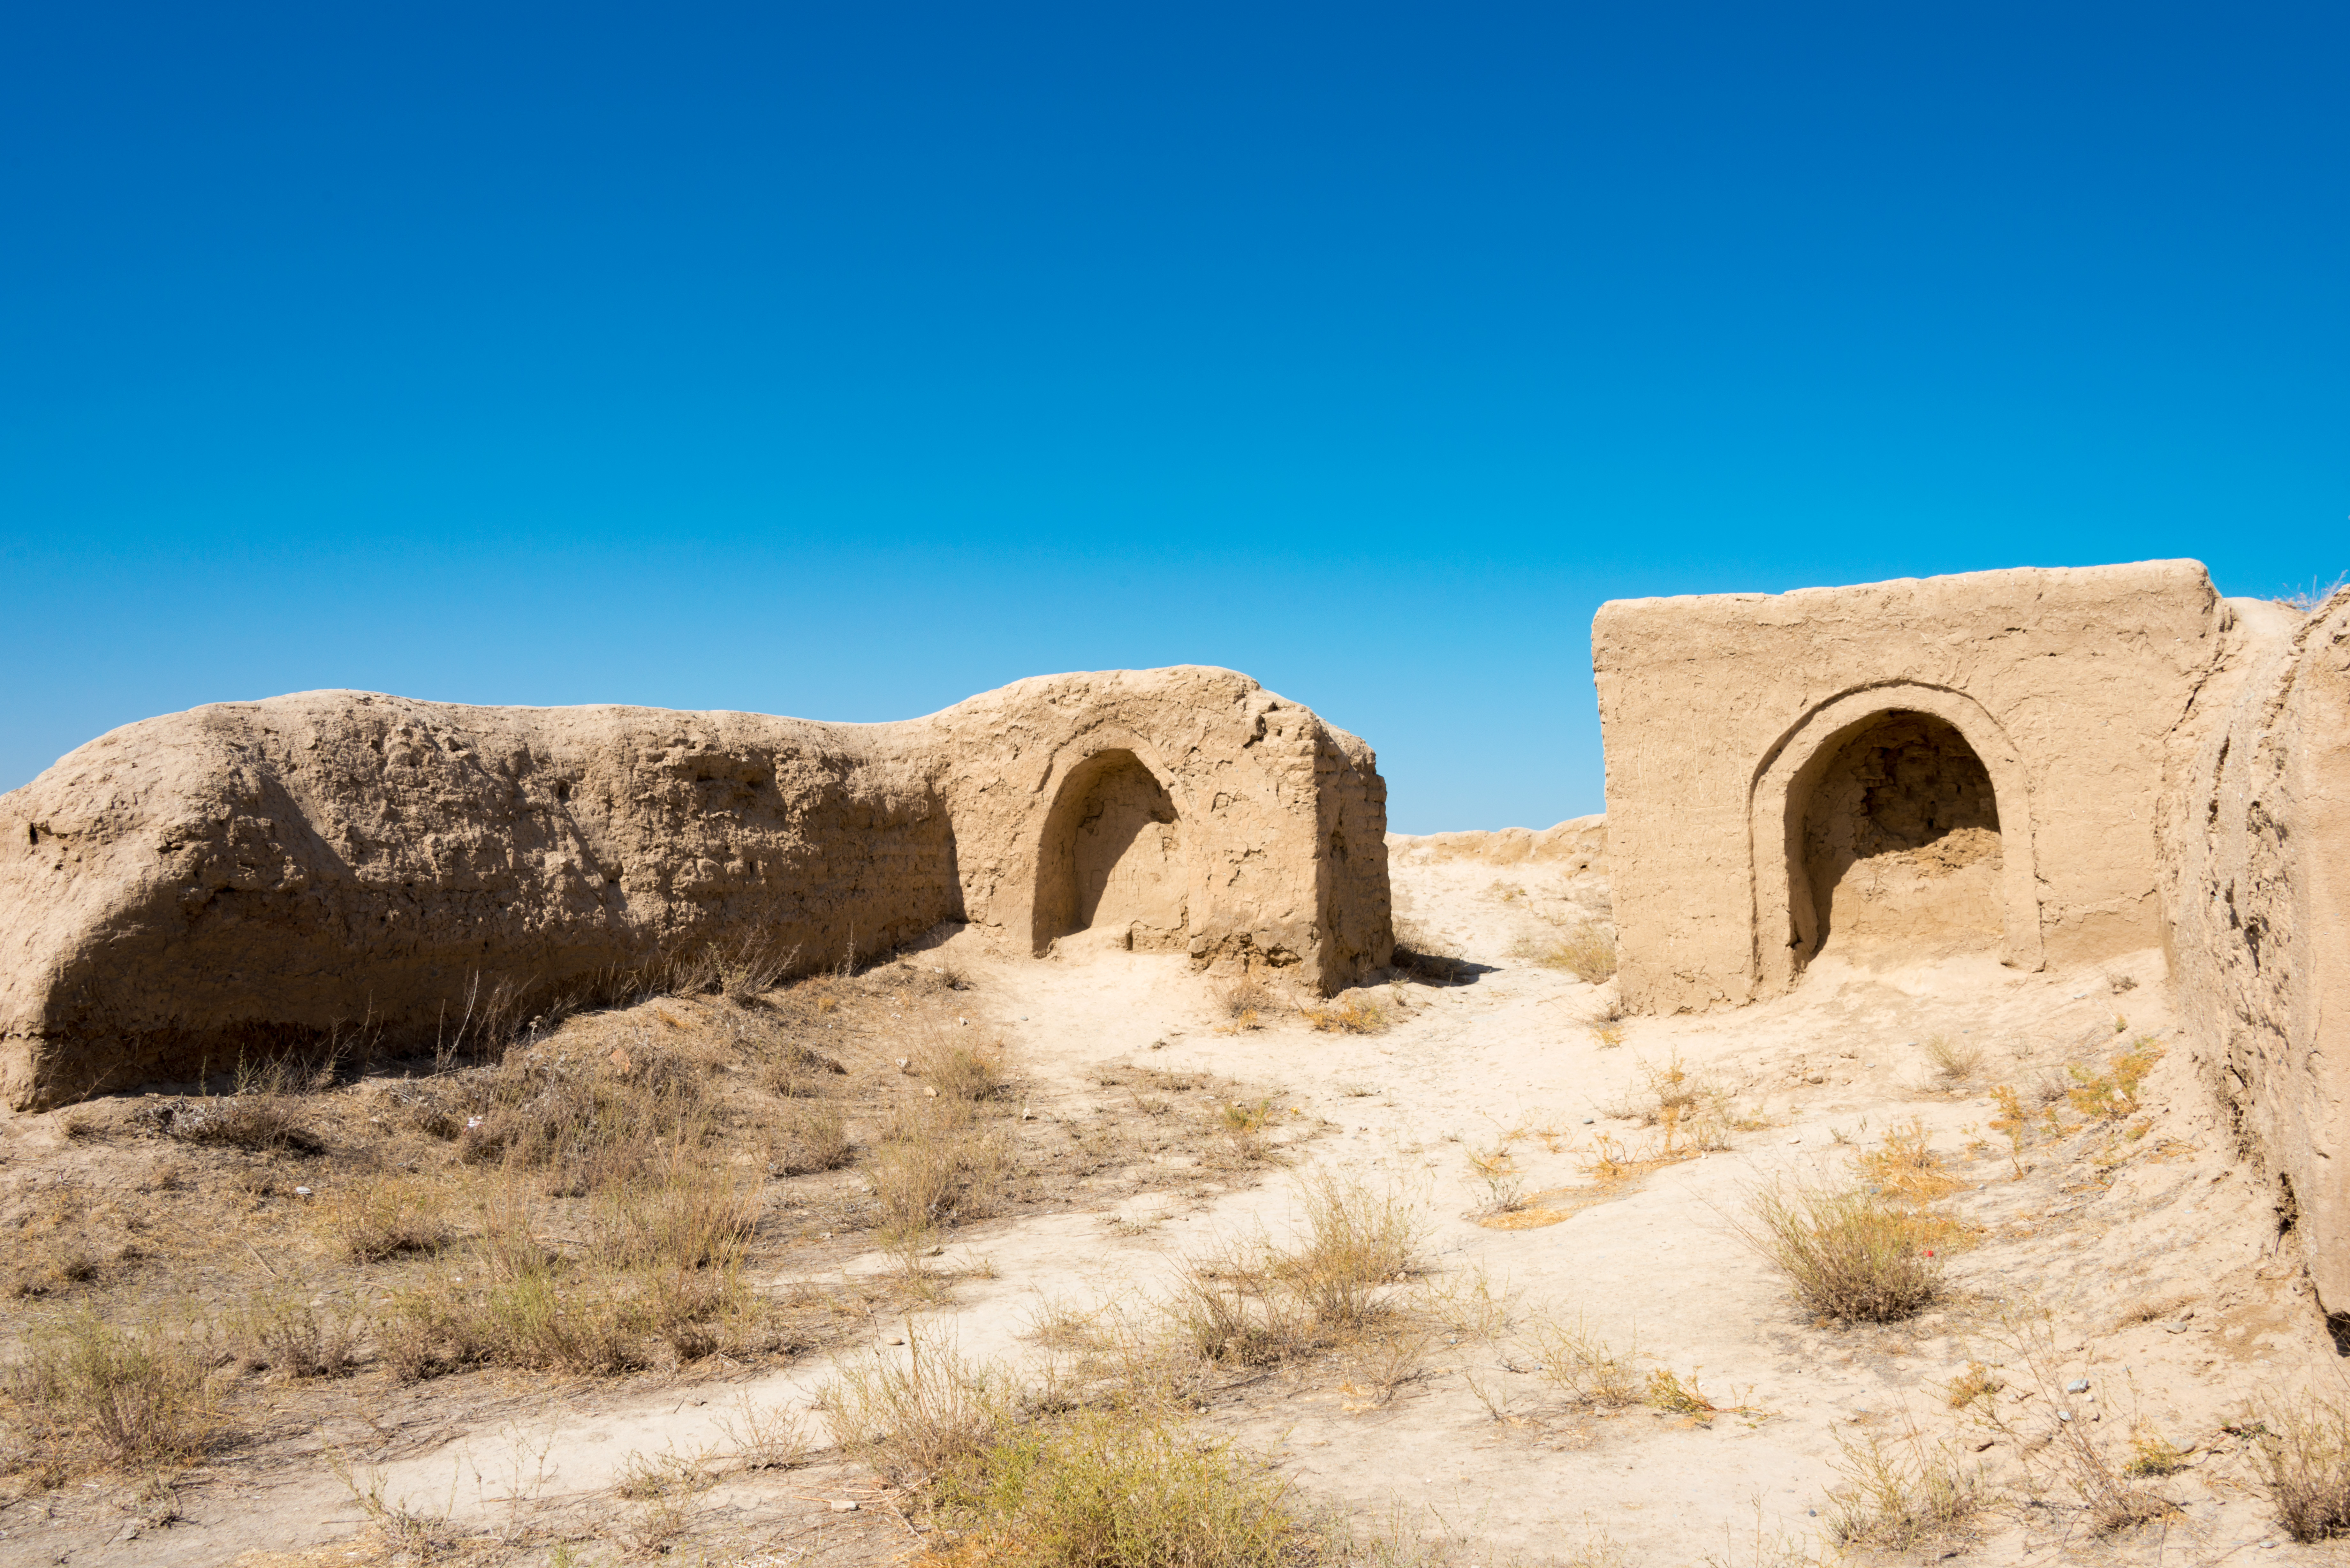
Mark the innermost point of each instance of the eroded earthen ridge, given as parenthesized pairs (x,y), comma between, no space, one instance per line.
(245,878)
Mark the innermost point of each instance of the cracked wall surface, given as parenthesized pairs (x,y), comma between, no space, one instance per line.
(2258,878)
(255,877)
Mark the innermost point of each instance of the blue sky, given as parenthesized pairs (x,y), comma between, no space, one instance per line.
(845,361)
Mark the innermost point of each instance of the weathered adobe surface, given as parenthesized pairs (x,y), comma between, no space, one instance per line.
(1724,715)
(2257,875)
(249,878)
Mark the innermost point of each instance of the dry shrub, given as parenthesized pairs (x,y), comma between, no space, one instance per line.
(1382,1361)
(1349,1015)
(2113,1094)
(662,1263)
(2305,1465)
(765,1436)
(798,1072)
(957,1071)
(1977,1382)
(1254,1303)
(371,1221)
(911,1420)
(1355,1241)
(1230,1307)
(1106,1489)
(1587,952)
(933,1165)
(1471,1304)
(1245,999)
(2074,1451)
(1505,1185)
(277,1332)
(813,1137)
(1954,1061)
(1905,1167)
(1900,1495)
(1850,1256)
(132,1395)
(741,971)
(691,1215)
(2151,1454)
(1583,1365)
(593,1123)
(259,1121)
(1668,1392)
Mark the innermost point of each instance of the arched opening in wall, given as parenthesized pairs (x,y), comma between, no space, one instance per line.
(1112,858)
(1899,848)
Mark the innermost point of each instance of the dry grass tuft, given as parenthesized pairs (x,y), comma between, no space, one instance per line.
(2305,1465)
(1954,1061)
(1905,1167)
(135,1396)
(742,970)
(661,1265)
(1900,1495)
(1977,1382)
(798,1073)
(1356,1241)
(1583,1365)
(1588,952)
(1106,1489)
(1668,1392)
(913,1418)
(2070,1449)
(1245,1001)
(2153,1455)
(934,1165)
(259,1121)
(813,1136)
(275,1331)
(2112,1095)
(1850,1256)
(956,1070)
(369,1221)
(1349,1015)
(1256,1305)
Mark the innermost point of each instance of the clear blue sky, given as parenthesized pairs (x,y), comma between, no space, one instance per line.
(844,360)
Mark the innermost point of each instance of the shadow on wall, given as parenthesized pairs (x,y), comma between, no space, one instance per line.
(1112,858)
(1900,842)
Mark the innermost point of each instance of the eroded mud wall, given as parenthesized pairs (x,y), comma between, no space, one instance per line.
(2258,887)
(1716,710)
(250,877)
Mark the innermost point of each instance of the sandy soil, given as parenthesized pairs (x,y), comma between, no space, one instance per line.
(2159,1264)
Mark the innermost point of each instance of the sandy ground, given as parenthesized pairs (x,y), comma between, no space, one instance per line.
(2173,1289)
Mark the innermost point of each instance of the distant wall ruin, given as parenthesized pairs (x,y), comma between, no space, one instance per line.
(248,878)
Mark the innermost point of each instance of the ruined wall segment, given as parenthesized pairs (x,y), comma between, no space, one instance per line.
(1722,714)
(2257,880)
(248,878)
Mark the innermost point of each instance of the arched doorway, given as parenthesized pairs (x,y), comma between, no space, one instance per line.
(1900,842)
(1112,857)
(1895,817)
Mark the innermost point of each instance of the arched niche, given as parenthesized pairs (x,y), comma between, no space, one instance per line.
(1921,727)
(1112,856)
